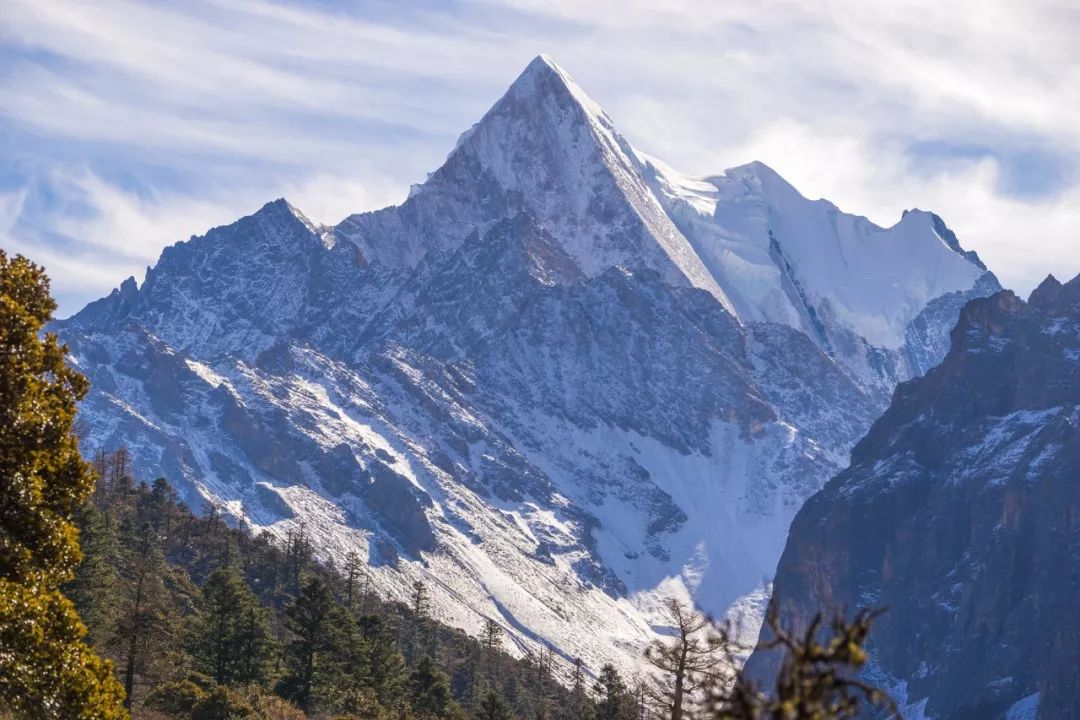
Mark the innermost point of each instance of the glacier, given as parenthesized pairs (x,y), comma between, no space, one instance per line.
(559,383)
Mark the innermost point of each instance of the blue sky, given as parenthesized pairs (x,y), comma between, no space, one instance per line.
(128,126)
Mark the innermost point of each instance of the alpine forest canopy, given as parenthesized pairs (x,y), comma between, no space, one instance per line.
(204,621)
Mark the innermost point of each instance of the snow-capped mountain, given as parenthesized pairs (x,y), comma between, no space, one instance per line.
(559,382)
(960,513)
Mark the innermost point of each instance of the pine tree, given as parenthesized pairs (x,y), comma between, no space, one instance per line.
(46,670)
(483,677)
(491,636)
(385,667)
(420,601)
(311,619)
(354,569)
(298,550)
(148,622)
(542,683)
(158,507)
(579,706)
(492,707)
(231,639)
(613,698)
(429,689)
(415,625)
(93,590)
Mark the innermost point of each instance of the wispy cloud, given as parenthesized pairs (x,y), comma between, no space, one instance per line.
(127,126)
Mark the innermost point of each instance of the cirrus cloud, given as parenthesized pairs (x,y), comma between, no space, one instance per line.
(128,126)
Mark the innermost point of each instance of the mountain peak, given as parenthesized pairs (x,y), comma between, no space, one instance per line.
(544,78)
(281,206)
(542,63)
(1047,293)
(282,211)
(762,178)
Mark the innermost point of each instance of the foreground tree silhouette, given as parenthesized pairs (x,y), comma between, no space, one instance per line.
(817,679)
(687,663)
(46,670)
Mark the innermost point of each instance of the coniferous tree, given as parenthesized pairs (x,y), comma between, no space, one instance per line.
(492,707)
(490,643)
(46,670)
(542,683)
(118,471)
(385,667)
(686,664)
(231,639)
(613,698)
(148,620)
(420,599)
(491,636)
(429,690)
(579,706)
(93,590)
(353,570)
(158,507)
(312,621)
(298,550)
(414,626)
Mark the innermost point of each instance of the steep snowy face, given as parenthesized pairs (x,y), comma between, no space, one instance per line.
(961,514)
(854,287)
(535,384)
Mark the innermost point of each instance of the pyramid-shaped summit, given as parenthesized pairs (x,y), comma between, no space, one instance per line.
(547,149)
(544,81)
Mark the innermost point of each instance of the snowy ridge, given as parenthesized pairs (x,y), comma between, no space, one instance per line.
(854,287)
(560,382)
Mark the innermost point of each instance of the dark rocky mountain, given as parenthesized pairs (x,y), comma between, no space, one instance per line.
(960,512)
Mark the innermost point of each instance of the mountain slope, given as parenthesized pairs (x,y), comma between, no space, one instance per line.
(960,513)
(529,384)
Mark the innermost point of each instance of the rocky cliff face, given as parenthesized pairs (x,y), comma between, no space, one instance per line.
(560,382)
(960,512)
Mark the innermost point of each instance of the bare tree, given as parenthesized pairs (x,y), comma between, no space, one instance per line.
(687,664)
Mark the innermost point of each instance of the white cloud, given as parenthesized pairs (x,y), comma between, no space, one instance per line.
(330,199)
(216,106)
(98,234)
